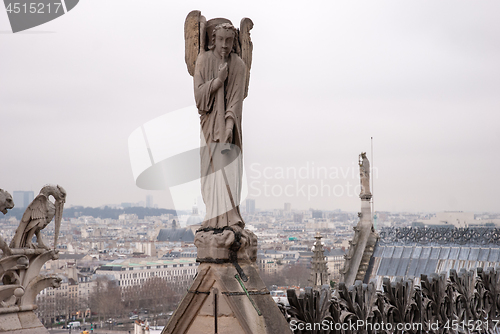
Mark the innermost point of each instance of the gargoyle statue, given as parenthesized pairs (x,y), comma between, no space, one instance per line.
(38,215)
(6,203)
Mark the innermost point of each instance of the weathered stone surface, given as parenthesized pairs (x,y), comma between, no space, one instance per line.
(234,306)
(6,203)
(38,215)
(364,240)
(21,323)
(29,320)
(20,263)
(364,175)
(9,322)
(319,269)
(40,330)
(214,245)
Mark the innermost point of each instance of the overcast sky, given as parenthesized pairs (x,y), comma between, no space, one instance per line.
(420,77)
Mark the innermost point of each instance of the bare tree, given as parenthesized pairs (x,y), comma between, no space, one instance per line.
(106,299)
(158,296)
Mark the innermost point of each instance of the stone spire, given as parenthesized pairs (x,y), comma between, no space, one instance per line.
(363,243)
(319,268)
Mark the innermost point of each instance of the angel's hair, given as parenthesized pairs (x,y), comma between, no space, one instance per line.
(223,26)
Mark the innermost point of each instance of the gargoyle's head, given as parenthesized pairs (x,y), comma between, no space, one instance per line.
(6,201)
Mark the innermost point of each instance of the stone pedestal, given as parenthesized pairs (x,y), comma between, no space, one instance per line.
(227,295)
(20,275)
(21,323)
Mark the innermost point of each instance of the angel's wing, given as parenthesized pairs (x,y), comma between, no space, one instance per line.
(192,39)
(35,213)
(246,47)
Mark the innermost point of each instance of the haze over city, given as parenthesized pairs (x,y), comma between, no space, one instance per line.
(421,78)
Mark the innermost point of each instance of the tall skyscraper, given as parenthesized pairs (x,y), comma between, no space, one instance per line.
(250,205)
(149,201)
(288,207)
(23,198)
(317,214)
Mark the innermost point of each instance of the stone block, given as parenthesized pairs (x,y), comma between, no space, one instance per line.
(29,320)
(9,322)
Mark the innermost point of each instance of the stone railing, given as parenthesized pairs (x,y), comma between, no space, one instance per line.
(440,235)
(463,302)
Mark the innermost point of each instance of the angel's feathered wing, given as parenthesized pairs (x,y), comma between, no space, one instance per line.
(246,47)
(36,213)
(193,42)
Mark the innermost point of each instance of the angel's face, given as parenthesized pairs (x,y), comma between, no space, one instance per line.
(224,39)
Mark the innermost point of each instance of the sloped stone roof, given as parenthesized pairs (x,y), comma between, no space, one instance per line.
(176,235)
(416,251)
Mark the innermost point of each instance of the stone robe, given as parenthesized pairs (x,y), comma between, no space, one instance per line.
(364,173)
(221,174)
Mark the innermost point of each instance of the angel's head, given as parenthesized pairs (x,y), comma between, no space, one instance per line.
(223,37)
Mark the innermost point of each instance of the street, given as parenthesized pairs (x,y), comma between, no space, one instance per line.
(96,331)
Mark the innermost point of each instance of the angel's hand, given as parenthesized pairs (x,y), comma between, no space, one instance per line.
(229,136)
(222,72)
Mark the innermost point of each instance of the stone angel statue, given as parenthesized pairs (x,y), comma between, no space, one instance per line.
(219,57)
(38,215)
(364,174)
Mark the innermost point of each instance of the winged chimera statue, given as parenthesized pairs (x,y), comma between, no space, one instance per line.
(38,215)
(20,278)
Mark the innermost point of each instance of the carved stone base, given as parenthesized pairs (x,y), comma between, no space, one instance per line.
(21,323)
(216,245)
(217,302)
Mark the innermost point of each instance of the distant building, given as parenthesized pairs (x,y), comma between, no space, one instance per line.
(147,248)
(448,219)
(298,217)
(317,214)
(128,217)
(178,273)
(185,235)
(250,205)
(195,218)
(23,198)
(149,201)
(335,262)
(269,261)
(316,224)
(288,207)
